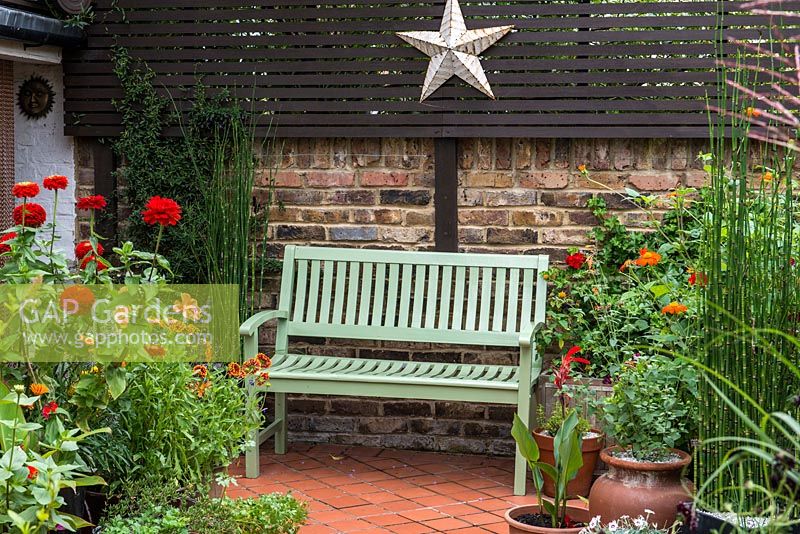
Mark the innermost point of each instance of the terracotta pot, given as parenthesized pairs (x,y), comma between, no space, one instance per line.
(590,450)
(515,527)
(629,487)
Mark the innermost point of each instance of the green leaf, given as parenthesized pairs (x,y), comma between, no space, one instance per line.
(522,435)
(116,377)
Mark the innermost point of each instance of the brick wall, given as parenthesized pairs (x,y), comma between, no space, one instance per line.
(515,196)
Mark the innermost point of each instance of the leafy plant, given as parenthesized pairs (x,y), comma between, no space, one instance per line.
(267,514)
(652,407)
(568,461)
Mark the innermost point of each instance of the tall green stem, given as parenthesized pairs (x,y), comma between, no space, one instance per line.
(155,253)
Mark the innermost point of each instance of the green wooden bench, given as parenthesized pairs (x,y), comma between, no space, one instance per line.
(428,297)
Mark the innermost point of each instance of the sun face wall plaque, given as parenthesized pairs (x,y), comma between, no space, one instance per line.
(35,97)
(454,51)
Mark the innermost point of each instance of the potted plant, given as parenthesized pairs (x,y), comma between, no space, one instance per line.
(648,415)
(547,516)
(592,440)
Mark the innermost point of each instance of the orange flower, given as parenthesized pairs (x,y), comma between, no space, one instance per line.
(39,389)
(155,350)
(581,168)
(235,370)
(263,359)
(32,472)
(200,370)
(674,308)
(752,112)
(562,294)
(624,266)
(647,257)
(767,176)
(76,299)
(202,387)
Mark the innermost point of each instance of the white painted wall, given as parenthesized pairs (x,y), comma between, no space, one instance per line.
(41,149)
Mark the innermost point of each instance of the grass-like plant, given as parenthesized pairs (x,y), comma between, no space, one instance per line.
(753,288)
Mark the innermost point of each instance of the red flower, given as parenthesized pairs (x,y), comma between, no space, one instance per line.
(55,182)
(76,299)
(163,211)
(3,239)
(25,190)
(32,472)
(576,260)
(698,278)
(100,266)
(94,202)
(49,409)
(562,374)
(35,216)
(84,247)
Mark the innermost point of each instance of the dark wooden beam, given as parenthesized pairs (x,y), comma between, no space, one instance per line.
(445,199)
(105,183)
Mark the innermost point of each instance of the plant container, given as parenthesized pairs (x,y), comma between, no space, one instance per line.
(630,487)
(710,524)
(515,527)
(590,450)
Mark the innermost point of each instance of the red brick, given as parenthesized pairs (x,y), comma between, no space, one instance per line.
(537,218)
(488,179)
(419,218)
(483,217)
(282,179)
(502,154)
(654,182)
(485,158)
(384,178)
(522,154)
(329,179)
(545,180)
(602,180)
(322,153)
(543,147)
(601,155)
(695,179)
(466,153)
(563,236)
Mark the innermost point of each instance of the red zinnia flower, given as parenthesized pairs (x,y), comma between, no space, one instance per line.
(25,190)
(76,299)
(32,472)
(94,202)
(698,278)
(163,211)
(576,260)
(84,247)
(3,239)
(100,266)
(35,216)
(55,182)
(49,409)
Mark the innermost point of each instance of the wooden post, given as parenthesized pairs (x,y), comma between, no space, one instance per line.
(105,183)
(445,199)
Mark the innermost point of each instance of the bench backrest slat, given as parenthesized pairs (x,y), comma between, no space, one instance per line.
(474,299)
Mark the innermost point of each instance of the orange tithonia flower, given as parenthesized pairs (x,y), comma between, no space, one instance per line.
(752,112)
(39,389)
(647,257)
(767,176)
(581,168)
(674,308)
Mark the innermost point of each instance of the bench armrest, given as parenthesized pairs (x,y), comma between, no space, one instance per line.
(528,333)
(250,326)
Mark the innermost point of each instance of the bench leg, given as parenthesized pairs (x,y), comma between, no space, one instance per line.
(524,410)
(252,454)
(280,415)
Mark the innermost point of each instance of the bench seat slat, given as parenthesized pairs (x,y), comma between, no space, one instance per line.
(333,368)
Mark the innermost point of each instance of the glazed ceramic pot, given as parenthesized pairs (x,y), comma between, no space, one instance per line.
(590,450)
(515,527)
(630,487)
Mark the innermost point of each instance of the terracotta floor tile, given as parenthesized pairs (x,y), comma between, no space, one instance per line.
(470,530)
(323,494)
(448,488)
(348,501)
(400,506)
(316,529)
(458,510)
(437,468)
(380,497)
(497,528)
(483,518)
(446,524)
(422,514)
(489,505)
(366,510)
(387,520)
(410,528)
(305,485)
(359,488)
(435,500)
(414,493)
(499,491)
(333,515)
(478,483)
(350,526)
(375,531)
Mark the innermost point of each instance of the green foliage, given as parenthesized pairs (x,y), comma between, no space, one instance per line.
(567,445)
(266,514)
(610,306)
(175,167)
(177,431)
(553,423)
(653,407)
